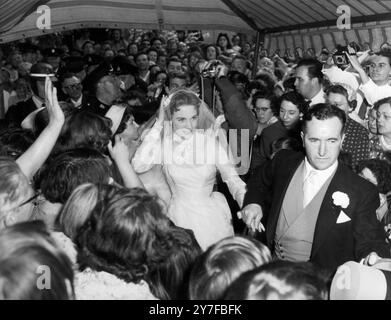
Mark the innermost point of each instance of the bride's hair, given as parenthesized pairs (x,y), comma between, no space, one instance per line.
(183,97)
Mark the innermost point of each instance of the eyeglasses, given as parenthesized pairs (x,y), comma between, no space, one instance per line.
(35,196)
(73,86)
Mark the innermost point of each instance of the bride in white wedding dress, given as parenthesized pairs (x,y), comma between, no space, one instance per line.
(191,150)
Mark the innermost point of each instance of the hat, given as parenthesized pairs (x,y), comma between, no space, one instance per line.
(52,52)
(121,66)
(354,281)
(115,113)
(93,59)
(102,70)
(42,70)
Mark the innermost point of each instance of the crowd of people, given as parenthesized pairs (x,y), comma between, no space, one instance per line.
(163,167)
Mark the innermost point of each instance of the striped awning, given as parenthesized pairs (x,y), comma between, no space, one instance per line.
(286,24)
(144,14)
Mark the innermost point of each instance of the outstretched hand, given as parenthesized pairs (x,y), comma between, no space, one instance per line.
(252,216)
(56,115)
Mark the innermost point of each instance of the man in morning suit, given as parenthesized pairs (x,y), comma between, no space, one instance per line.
(316,209)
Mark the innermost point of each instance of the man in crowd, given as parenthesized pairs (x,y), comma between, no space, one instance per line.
(309,77)
(73,90)
(374,86)
(315,207)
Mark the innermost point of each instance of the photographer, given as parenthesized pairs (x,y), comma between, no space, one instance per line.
(374,86)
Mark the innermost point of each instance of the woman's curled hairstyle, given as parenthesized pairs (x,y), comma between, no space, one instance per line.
(119,232)
(85,129)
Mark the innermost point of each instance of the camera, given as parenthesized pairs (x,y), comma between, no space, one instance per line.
(340,58)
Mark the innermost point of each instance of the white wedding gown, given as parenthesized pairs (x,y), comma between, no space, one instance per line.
(190,169)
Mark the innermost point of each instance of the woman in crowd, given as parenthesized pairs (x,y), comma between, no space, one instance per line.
(190,160)
(211,52)
(378,172)
(73,215)
(225,45)
(115,267)
(32,267)
(291,108)
(381,143)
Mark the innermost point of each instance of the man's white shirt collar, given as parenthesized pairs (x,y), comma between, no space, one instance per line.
(318,98)
(322,175)
(37,101)
(77,103)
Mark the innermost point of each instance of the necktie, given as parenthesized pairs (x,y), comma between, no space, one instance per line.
(308,188)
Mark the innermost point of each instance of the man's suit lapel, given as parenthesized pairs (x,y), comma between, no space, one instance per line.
(328,215)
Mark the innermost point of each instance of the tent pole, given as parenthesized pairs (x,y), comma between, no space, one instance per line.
(260,38)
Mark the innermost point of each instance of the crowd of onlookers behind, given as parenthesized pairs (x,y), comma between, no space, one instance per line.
(75,219)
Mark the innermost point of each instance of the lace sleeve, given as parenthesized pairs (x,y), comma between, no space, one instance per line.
(149,152)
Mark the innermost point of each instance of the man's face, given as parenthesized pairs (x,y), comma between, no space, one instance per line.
(383,117)
(72,87)
(176,83)
(322,141)
(133,49)
(162,61)
(16,60)
(152,55)
(157,44)
(339,100)
(174,66)
(142,62)
(379,69)
(303,83)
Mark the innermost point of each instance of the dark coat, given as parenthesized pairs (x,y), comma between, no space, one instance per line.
(333,243)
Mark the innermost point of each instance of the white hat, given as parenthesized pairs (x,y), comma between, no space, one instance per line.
(115,113)
(354,281)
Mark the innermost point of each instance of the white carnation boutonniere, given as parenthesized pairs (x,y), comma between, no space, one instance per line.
(342,200)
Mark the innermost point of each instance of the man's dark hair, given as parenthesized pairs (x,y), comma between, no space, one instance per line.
(385,53)
(314,68)
(382,101)
(324,111)
(338,89)
(67,75)
(173,60)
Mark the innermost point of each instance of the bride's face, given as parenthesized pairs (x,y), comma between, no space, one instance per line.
(185,119)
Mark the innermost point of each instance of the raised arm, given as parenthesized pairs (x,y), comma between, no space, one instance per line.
(149,152)
(35,156)
(120,154)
